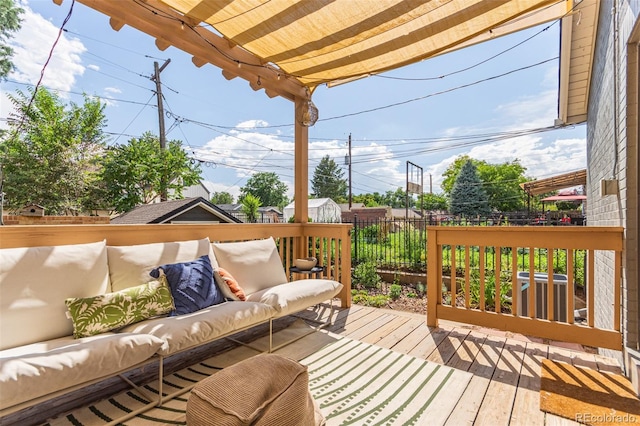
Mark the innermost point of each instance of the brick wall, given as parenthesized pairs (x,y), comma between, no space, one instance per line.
(367,214)
(55,220)
(613,156)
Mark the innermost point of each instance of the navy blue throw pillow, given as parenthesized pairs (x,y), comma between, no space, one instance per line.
(192,285)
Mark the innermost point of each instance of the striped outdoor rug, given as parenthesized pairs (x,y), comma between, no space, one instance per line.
(354,383)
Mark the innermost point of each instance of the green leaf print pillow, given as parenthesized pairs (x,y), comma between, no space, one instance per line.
(95,315)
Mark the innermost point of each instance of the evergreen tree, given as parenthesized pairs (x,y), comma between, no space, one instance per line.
(468,198)
(328,181)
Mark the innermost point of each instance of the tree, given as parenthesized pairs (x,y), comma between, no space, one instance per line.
(50,154)
(433,202)
(138,172)
(328,181)
(367,199)
(221,198)
(500,181)
(250,206)
(396,199)
(267,187)
(468,198)
(9,24)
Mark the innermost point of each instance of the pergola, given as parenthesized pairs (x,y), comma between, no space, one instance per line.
(289,47)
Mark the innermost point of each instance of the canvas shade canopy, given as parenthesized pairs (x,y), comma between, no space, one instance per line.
(297,44)
(289,47)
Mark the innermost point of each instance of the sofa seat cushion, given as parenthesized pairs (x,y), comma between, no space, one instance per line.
(297,295)
(34,370)
(185,331)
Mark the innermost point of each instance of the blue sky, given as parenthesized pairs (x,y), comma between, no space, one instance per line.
(239,131)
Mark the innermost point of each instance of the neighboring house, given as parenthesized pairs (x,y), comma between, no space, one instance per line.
(609,104)
(321,210)
(203,189)
(187,210)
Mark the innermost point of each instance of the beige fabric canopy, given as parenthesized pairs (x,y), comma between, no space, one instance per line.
(290,46)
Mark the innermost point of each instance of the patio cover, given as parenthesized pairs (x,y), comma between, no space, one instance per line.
(565,198)
(554,183)
(295,45)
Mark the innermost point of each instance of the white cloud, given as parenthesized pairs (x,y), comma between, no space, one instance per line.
(32,45)
(93,67)
(112,90)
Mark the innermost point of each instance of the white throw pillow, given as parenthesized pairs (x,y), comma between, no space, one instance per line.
(256,264)
(129,266)
(34,283)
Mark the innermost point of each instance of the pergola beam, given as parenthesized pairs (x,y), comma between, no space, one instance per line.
(197,41)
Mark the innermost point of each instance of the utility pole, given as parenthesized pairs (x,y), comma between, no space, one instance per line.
(163,141)
(350,196)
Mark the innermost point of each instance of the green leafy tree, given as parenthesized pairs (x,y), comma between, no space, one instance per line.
(9,24)
(396,199)
(500,181)
(328,181)
(222,198)
(50,154)
(367,199)
(433,202)
(267,187)
(138,172)
(468,198)
(250,206)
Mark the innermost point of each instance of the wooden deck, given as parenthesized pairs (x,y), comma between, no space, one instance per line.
(505,386)
(504,389)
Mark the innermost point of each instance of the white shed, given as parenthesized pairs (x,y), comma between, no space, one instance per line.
(321,210)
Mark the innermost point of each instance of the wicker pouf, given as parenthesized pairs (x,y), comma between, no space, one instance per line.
(266,389)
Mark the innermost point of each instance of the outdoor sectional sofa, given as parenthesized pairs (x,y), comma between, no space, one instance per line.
(44,353)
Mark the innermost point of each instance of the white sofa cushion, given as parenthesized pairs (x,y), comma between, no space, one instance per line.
(255,265)
(184,331)
(31,371)
(130,265)
(297,295)
(34,283)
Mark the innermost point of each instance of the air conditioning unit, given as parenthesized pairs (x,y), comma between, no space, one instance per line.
(542,284)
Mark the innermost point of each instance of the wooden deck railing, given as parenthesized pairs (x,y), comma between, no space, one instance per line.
(330,243)
(486,256)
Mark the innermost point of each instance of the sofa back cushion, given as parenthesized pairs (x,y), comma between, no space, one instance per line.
(34,283)
(130,266)
(255,265)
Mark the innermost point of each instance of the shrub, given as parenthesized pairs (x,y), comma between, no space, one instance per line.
(366,274)
(395,291)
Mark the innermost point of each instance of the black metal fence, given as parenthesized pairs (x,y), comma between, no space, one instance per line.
(400,244)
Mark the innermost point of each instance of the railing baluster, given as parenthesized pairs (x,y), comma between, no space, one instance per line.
(497,265)
(467,281)
(570,287)
(515,294)
(590,287)
(482,276)
(550,286)
(531,298)
(452,278)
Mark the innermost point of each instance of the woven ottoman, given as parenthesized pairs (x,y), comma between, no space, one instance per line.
(266,390)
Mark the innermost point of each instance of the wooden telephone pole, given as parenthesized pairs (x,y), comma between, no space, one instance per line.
(163,140)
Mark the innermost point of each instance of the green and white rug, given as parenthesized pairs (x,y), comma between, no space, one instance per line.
(354,383)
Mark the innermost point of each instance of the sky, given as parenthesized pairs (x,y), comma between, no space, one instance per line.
(484,101)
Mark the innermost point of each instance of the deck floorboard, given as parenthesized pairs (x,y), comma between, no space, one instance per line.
(505,386)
